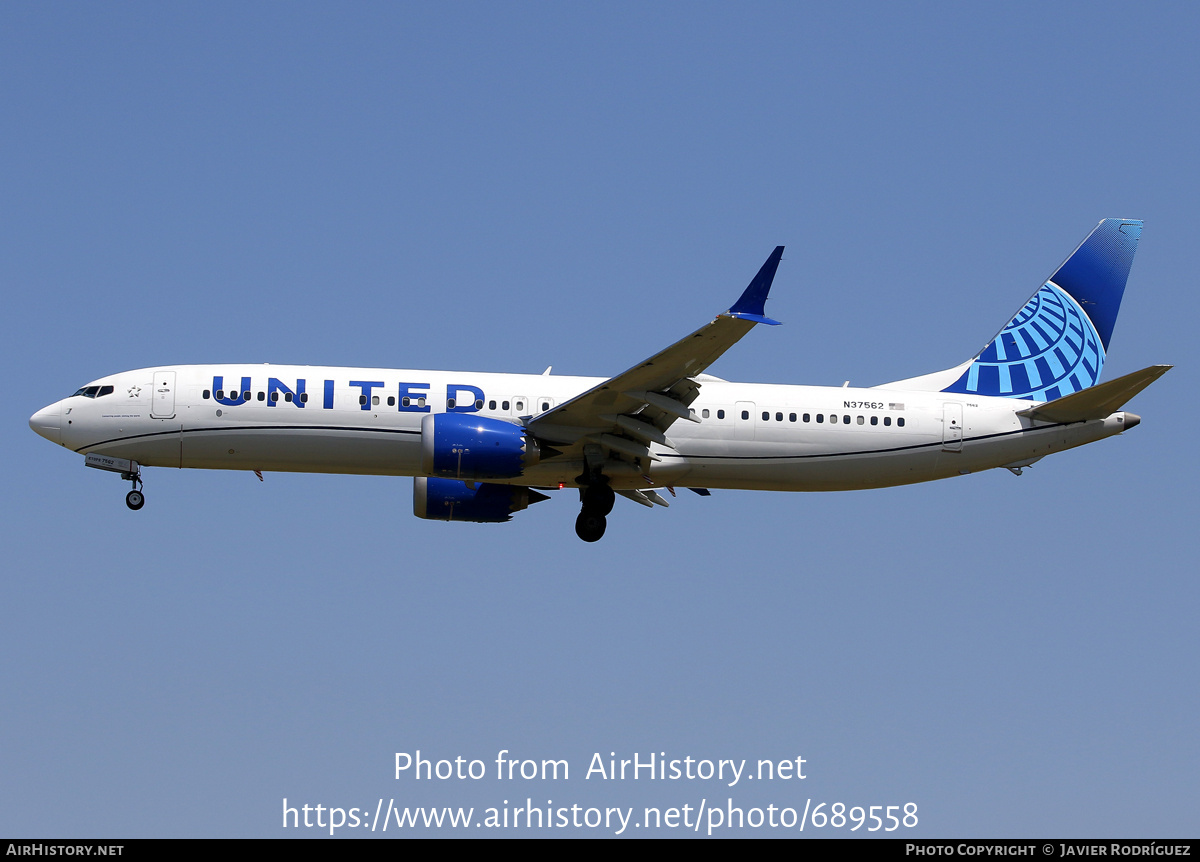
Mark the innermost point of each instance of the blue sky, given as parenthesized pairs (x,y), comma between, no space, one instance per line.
(504,187)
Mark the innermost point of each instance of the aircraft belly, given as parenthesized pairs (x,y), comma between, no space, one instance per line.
(774,467)
(316,450)
(816,473)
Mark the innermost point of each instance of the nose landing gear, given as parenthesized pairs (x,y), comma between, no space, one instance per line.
(130,471)
(135,499)
(597,499)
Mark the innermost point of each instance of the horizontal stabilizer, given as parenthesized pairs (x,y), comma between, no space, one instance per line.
(1098,401)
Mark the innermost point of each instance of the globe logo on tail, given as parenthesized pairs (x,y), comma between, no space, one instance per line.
(1050,349)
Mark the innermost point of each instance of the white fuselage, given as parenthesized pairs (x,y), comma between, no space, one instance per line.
(368,420)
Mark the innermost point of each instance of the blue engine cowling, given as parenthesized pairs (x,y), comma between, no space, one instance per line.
(466,446)
(452,500)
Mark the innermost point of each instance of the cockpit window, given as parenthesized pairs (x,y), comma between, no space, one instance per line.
(94,391)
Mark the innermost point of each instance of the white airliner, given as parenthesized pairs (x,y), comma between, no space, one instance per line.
(482,446)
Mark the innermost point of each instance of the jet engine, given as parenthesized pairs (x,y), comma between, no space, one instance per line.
(465,446)
(453,500)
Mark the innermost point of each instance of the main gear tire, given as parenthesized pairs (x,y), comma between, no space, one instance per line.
(590,526)
(599,499)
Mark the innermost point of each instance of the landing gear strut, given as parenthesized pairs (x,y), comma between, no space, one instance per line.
(597,498)
(135,499)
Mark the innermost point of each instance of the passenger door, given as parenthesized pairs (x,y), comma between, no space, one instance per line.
(952,427)
(162,404)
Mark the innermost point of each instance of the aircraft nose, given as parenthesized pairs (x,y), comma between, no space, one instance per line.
(47,422)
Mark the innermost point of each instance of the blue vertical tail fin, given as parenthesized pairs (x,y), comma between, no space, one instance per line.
(1056,343)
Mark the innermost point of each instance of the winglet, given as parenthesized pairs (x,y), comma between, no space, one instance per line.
(751,305)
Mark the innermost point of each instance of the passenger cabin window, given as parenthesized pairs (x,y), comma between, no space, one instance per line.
(805,417)
(262,396)
(874,420)
(887,420)
(391,400)
(791,417)
(545,406)
(491,405)
(820,418)
(478,403)
(900,422)
(503,405)
(704,413)
(720,414)
(205,394)
(766,416)
(745,414)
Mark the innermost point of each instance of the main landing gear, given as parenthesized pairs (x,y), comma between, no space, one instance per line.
(597,499)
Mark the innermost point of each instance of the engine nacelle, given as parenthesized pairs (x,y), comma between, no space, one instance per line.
(465,446)
(452,500)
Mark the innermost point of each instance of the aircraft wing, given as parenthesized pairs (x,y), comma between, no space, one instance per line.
(628,412)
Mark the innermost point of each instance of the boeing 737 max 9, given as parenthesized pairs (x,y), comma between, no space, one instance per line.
(482,446)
